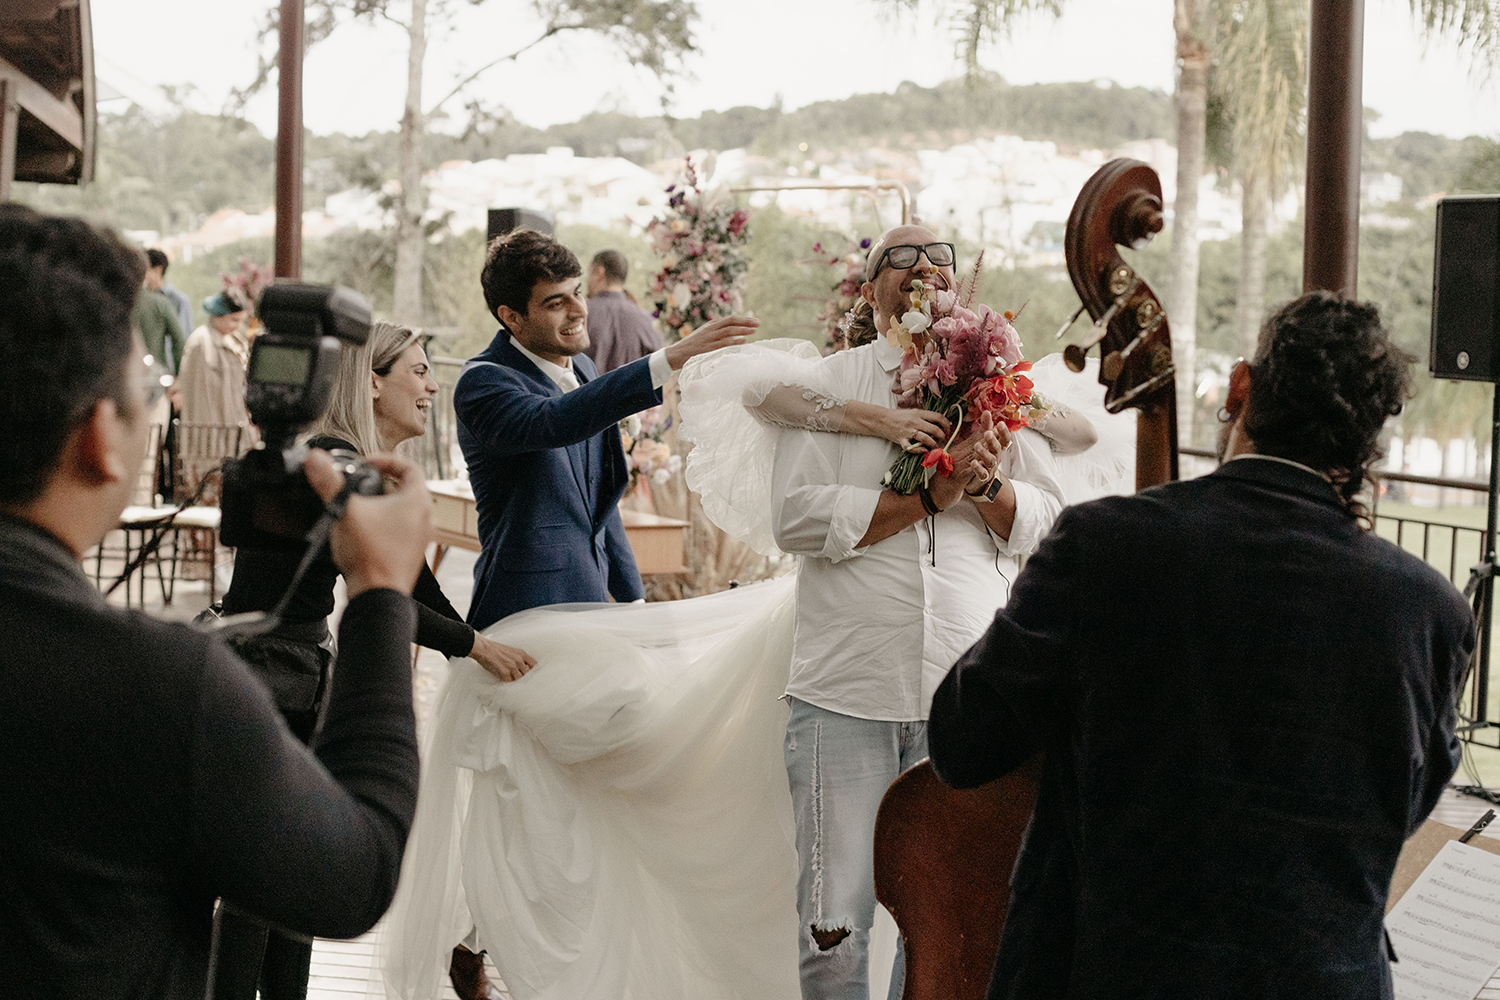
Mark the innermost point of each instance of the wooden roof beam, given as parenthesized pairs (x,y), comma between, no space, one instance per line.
(61,117)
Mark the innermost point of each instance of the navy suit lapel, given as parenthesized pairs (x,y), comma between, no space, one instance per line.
(582,456)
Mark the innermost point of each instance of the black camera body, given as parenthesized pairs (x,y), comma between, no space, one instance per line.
(293,367)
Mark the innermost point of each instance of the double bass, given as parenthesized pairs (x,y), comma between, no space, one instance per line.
(943,856)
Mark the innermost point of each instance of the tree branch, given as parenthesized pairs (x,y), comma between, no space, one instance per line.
(552,29)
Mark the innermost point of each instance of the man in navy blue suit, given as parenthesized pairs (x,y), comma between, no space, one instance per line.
(1245,698)
(537,425)
(539,430)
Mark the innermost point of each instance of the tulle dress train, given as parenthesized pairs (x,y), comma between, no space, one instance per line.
(616,825)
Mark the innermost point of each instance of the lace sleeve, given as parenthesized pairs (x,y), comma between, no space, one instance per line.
(797,406)
(735,403)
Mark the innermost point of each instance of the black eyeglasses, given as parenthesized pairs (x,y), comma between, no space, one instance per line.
(905,255)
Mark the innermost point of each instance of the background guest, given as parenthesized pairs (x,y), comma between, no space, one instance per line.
(160,325)
(156,280)
(619,330)
(211,381)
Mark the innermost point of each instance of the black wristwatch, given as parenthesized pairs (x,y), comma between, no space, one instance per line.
(989,493)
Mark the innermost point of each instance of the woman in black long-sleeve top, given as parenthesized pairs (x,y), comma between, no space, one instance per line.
(381,398)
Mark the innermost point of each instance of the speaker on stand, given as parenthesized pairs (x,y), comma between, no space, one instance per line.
(504,220)
(1465,345)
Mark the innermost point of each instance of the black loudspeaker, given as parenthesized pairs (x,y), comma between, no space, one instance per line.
(503,220)
(1465,283)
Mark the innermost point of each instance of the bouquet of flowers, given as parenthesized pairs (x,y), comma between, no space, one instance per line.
(646,454)
(845,291)
(959,362)
(701,240)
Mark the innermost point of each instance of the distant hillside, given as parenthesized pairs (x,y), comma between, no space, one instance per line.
(169,175)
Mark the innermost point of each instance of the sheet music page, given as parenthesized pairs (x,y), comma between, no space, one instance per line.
(1446,929)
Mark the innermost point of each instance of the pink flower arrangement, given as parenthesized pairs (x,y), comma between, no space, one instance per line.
(845,291)
(246,285)
(701,242)
(959,362)
(647,455)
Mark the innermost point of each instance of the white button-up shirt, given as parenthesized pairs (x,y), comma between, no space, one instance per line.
(879,627)
(565,379)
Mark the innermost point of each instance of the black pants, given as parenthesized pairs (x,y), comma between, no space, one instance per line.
(252,956)
(249,954)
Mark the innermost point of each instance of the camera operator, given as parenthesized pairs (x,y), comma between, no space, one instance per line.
(379,400)
(146,771)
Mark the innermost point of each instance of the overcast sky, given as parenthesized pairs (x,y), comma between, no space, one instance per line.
(751,53)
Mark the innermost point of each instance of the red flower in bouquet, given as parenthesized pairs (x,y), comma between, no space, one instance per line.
(962,363)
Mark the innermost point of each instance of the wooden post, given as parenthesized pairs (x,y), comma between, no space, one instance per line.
(1335,125)
(10,120)
(289,142)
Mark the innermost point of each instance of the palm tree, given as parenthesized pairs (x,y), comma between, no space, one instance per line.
(1260,82)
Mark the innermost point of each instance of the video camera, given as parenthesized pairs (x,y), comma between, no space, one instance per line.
(293,367)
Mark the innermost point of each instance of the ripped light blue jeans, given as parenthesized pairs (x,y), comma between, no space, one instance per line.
(839,768)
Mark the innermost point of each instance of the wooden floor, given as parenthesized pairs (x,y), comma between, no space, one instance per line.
(344,970)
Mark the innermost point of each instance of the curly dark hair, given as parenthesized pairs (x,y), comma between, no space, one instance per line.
(1324,379)
(517,261)
(65,336)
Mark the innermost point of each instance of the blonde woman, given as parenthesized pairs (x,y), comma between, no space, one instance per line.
(382,398)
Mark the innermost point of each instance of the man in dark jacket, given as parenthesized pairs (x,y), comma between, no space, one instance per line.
(1245,699)
(143,768)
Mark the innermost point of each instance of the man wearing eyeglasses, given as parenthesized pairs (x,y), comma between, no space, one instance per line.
(144,769)
(891,590)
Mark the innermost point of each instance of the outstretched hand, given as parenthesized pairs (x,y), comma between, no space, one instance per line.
(726,331)
(380,541)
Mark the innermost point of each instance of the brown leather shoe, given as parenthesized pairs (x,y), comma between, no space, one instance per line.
(466,973)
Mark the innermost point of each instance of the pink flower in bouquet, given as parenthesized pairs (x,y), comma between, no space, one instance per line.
(947,371)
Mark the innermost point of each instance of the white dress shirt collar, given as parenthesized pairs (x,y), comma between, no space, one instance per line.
(887,353)
(562,375)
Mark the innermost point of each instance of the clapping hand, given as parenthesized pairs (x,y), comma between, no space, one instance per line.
(976,459)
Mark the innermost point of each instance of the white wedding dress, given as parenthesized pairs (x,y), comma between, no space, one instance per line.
(616,825)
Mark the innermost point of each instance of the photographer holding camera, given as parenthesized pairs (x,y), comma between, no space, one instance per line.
(379,399)
(146,771)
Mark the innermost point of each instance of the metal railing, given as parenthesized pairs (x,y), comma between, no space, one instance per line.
(1453,549)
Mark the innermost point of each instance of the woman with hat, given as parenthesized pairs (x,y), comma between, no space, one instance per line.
(211,381)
